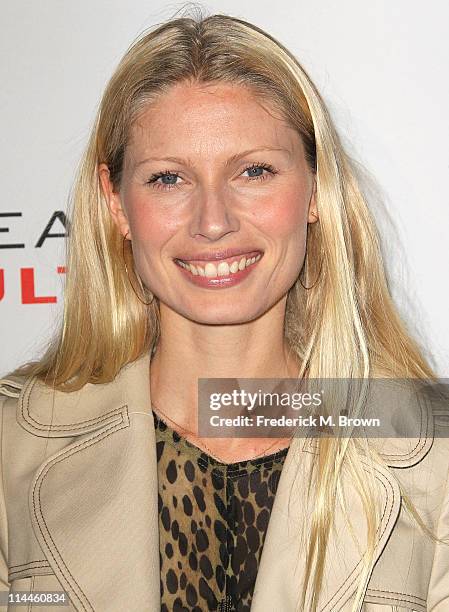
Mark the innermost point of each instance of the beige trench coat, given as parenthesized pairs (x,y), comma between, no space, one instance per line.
(79,511)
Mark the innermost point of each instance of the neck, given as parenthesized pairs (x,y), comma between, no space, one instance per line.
(188,350)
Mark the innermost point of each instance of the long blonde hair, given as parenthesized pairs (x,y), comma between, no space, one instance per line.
(346,326)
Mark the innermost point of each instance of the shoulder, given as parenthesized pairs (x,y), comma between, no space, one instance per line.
(434,421)
(424,470)
(12,435)
(48,412)
(11,385)
(10,389)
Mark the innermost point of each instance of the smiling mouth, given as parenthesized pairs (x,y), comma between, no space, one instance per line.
(222,267)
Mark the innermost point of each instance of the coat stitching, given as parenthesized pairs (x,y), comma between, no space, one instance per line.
(29,567)
(27,417)
(29,563)
(42,475)
(400,457)
(419,445)
(408,595)
(420,441)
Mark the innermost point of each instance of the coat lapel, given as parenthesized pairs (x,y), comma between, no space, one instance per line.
(281,572)
(94,503)
(282,568)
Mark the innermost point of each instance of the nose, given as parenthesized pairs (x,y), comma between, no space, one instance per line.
(212,216)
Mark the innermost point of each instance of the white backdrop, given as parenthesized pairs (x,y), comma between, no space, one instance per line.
(381,66)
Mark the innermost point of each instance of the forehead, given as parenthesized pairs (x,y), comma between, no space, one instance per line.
(210,119)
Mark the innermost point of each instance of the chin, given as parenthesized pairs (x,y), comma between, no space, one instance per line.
(222,314)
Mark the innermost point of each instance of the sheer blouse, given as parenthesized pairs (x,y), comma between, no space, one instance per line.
(213,519)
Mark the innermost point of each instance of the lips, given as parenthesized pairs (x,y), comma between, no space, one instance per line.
(219,273)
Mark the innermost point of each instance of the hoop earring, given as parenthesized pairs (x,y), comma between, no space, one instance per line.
(321,264)
(317,278)
(127,274)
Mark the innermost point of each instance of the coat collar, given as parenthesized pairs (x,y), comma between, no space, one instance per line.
(49,413)
(93,504)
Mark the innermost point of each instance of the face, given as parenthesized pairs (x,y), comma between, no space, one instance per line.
(216,196)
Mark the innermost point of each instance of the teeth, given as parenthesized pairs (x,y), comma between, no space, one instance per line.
(223,268)
(210,270)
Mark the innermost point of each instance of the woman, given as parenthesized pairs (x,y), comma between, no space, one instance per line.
(218,231)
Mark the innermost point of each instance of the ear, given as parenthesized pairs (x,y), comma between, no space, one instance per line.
(313,212)
(113,201)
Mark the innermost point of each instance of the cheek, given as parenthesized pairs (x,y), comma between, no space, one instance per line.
(149,223)
(285,215)
(150,230)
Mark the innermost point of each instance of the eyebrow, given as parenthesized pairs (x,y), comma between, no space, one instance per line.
(231,160)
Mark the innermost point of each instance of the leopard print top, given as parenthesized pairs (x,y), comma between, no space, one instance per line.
(213,518)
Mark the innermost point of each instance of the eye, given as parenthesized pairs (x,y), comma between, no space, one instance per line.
(170,182)
(256,171)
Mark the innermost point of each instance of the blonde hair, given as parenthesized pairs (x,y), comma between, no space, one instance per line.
(346,326)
